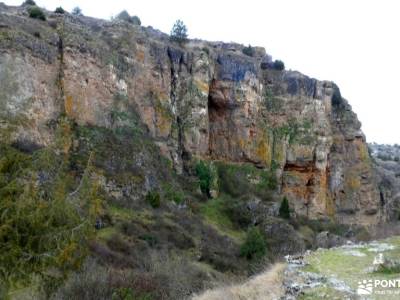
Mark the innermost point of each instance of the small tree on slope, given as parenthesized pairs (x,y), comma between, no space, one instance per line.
(284,211)
(179,32)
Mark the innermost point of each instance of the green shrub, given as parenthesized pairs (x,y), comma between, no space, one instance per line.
(237,212)
(249,51)
(36,13)
(29,2)
(77,11)
(179,32)
(214,211)
(126,17)
(268,180)
(336,97)
(171,193)
(136,20)
(234,179)
(12,162)
(43,226)
(254,246)
(206,50)
(204,173)
(336,228)
(384,157)
(389,269)
(60,10)
(279,65)
(153,198)
(151,240)
(284,211)
(237,180)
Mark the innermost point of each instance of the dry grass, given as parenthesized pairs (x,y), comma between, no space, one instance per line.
(267,285)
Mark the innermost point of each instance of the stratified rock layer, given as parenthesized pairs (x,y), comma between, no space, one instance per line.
(201,100)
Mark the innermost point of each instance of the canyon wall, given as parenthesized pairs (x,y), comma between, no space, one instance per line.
(204,100)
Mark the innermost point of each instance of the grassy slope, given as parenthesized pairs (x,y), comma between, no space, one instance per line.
(213,213)
(351,269)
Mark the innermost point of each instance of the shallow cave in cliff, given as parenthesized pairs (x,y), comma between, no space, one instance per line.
(219,111)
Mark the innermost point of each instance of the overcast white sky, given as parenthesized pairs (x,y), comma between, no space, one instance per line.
(355,43)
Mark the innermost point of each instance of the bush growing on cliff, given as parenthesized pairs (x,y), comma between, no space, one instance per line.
(126,17)
(268,180)
(245,179)
(234,179)
(279,65)
(179,32)
(254,246)
(237,212)
(136,20)
(384,157)
(60,10)
(77,11)
(336,97)
(29,2)
(249,51)
(284,211)
(204,173)
(171,193)
(36,13)
(153,198)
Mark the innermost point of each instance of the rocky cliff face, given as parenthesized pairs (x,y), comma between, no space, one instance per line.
(203,100)
(387,169)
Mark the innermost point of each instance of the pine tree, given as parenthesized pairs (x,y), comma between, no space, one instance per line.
(179,32)
(284,211)
(77,11)
(254,245)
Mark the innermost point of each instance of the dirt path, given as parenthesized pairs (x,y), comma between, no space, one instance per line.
(266,286)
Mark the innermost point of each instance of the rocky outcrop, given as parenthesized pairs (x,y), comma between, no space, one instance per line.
(387,171)
(201,100)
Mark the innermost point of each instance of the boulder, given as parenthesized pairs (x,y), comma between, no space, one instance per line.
(326,239)
(282,239)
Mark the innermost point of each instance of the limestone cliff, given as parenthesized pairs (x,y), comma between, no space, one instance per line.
(387,169)
(203,100)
